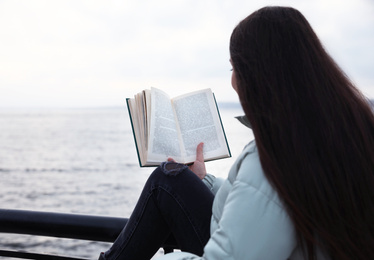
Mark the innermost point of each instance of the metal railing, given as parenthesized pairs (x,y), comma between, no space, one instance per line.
(74,226)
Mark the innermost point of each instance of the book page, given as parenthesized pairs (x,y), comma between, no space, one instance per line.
(147,112)
(140,113)
(199,121)
(164,140)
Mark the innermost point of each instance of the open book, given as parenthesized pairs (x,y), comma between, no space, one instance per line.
(165,127)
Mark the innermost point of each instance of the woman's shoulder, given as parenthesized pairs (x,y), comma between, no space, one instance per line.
(248,170)
(247,165)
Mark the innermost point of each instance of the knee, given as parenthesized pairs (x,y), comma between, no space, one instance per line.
(172,168)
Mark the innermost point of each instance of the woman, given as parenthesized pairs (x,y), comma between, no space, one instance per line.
(303,190)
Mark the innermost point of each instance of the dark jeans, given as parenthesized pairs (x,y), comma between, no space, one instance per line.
(174,202)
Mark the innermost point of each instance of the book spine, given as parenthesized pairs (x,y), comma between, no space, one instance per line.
(133,131)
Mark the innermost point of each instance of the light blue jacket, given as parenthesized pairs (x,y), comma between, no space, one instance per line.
(248,220)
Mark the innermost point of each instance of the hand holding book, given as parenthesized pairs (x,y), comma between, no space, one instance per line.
(198,166)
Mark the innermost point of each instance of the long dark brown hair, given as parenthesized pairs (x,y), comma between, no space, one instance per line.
(314,131)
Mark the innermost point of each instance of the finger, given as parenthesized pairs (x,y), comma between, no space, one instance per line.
(199,152)
(170,159)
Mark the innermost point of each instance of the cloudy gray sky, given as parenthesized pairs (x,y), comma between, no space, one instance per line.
(97,53)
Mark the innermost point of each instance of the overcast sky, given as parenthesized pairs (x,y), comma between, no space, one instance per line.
(97,53)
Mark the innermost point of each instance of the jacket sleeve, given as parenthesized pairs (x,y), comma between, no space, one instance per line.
(261,229)
(212,182)
(253,226)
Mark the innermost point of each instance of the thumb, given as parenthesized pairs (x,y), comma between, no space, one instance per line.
(199,152)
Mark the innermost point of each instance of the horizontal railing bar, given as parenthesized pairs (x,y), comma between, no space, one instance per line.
(26,255)
(74,226)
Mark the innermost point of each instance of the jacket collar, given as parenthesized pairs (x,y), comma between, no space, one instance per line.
(244,120)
